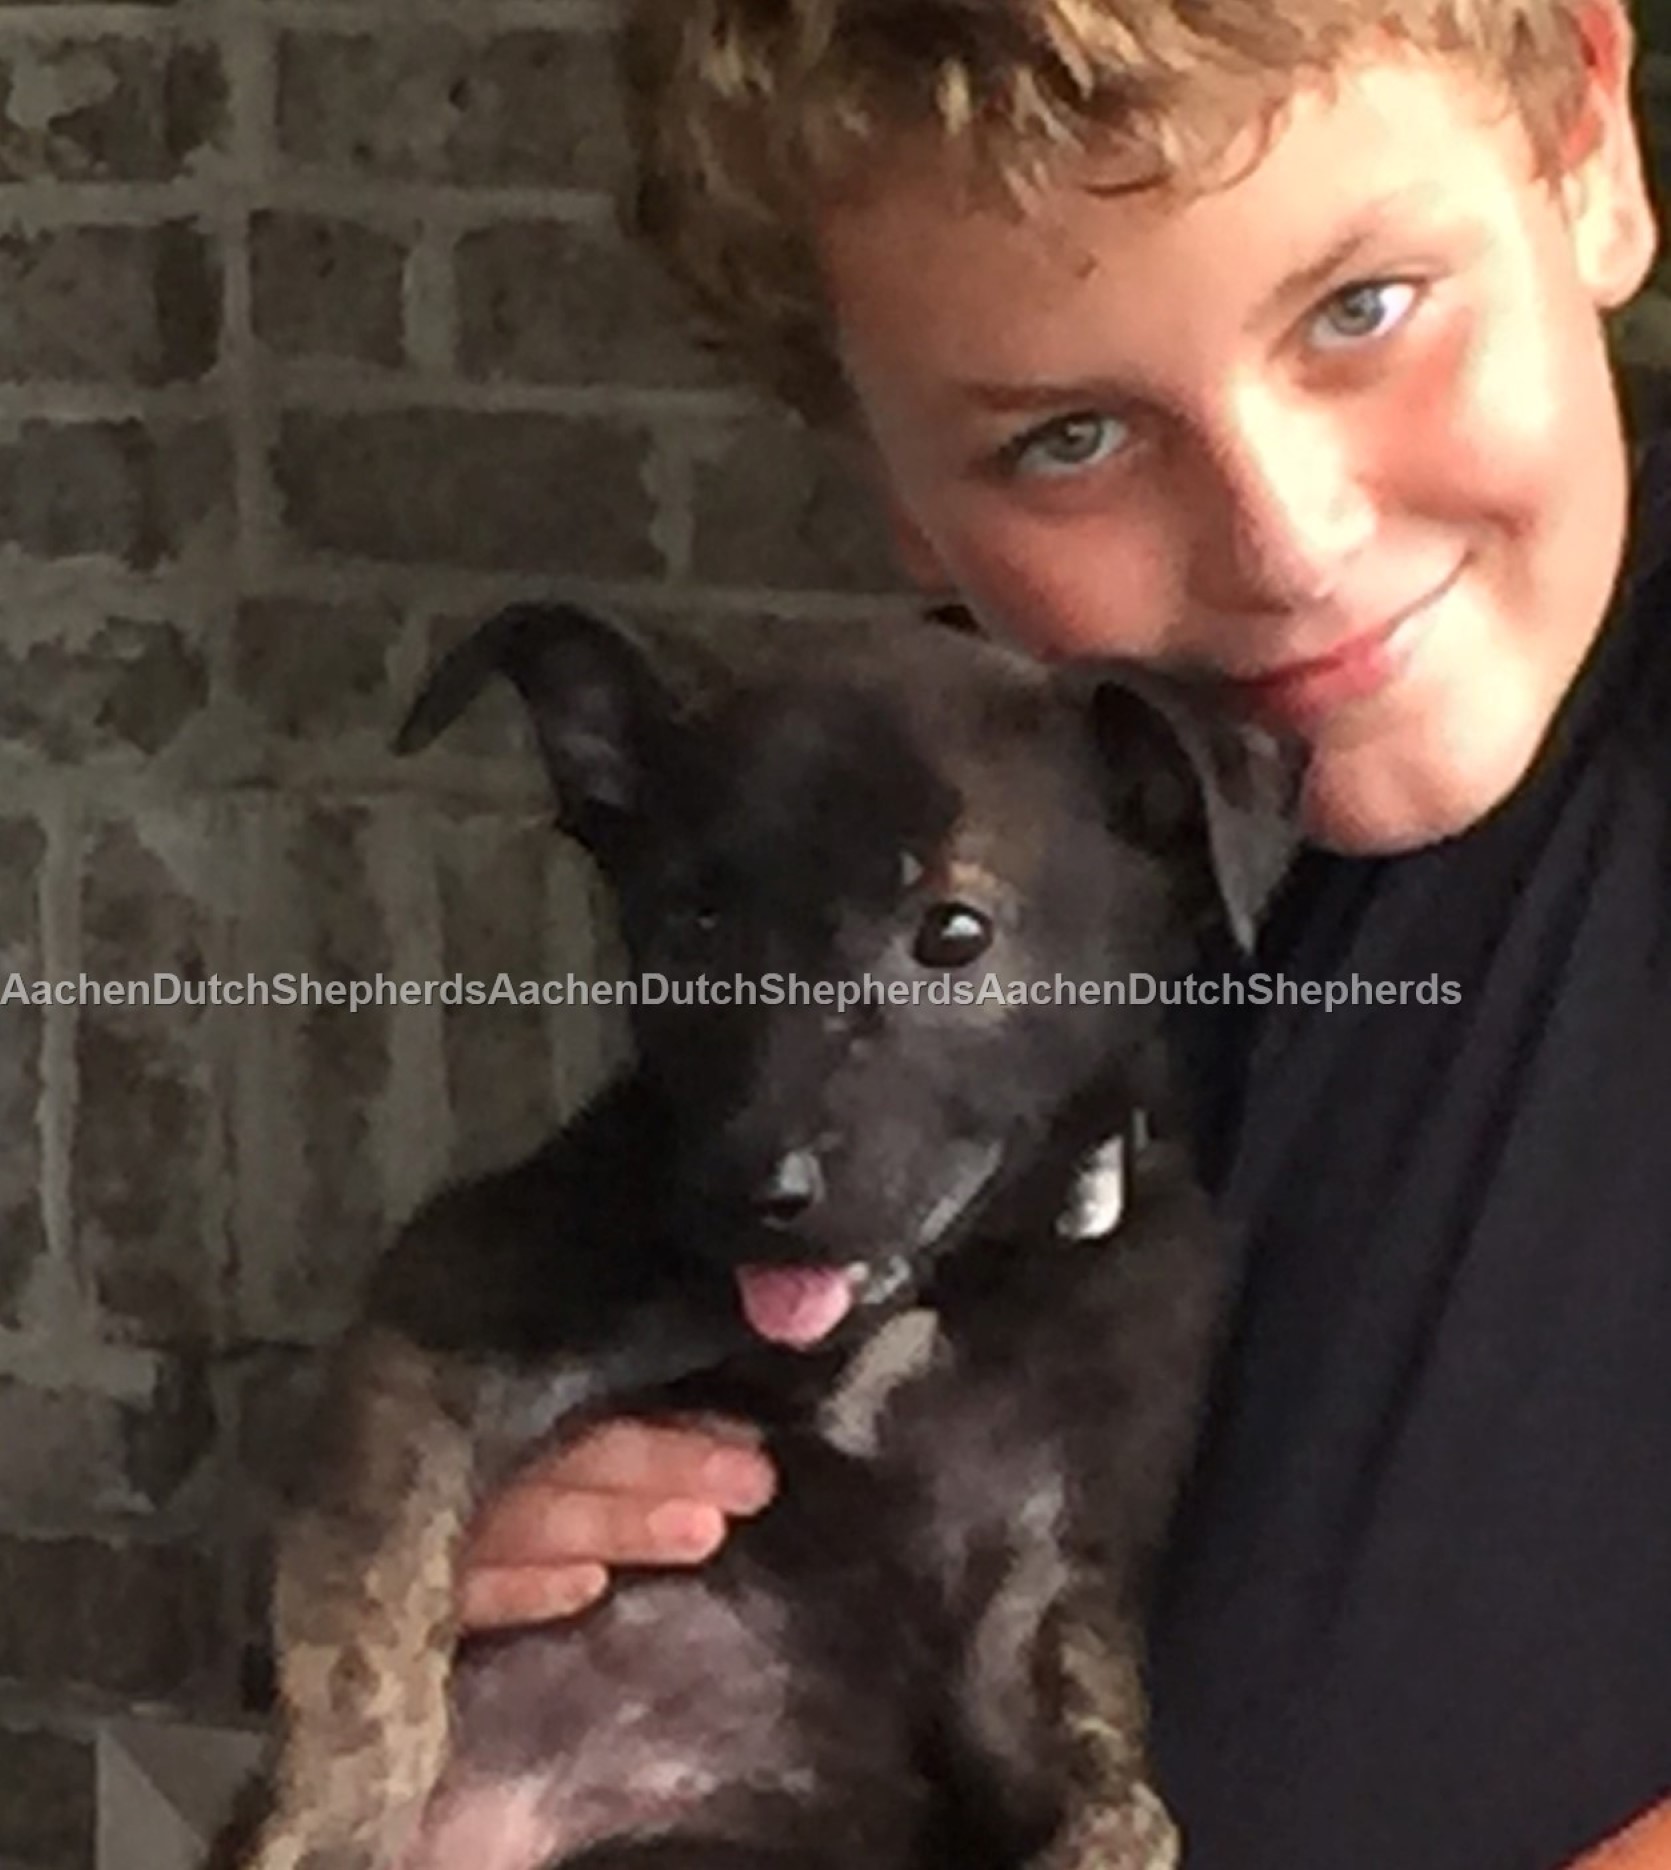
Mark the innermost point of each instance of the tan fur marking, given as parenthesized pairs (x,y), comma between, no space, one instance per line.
(1116,1822)
(366,1620)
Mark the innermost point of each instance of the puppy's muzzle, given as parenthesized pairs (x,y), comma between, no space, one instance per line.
(792,1190)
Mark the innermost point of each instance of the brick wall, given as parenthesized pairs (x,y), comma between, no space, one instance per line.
(315,342)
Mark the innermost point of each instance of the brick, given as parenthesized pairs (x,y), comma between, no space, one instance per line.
(148,1101)
(141,912)
(64,1453)
(135,1620)
(344,1067)
(139,493)
(47,1800)
(544,303)
(314,671)
(327,288)
(108,109)
(774,507)
(22,1232)
(279,1389)
(137,305)
(496,492)
(311,1213)
(165,1438)
(128,686)
(431,104)
(139,1197)
(21,850)
(492,875)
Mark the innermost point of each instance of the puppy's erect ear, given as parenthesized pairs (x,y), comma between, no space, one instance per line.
(596,704)
(1181,766)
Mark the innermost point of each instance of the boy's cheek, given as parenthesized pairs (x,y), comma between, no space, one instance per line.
(1061,595)
(1093,582)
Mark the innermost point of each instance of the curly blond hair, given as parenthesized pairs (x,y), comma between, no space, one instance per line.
(749,116)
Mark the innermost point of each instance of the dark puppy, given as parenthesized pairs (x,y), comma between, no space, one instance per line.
(865,1206)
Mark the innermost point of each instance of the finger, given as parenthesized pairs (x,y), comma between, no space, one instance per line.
(510,1597)
(721,1464)
(542,1526)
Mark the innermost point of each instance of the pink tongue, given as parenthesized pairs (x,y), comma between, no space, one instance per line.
(796,1305)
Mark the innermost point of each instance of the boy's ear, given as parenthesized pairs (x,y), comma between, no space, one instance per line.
(1183,773)
(600,713)
(1603,183)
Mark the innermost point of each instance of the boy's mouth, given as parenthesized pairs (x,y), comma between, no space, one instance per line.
(1296,694)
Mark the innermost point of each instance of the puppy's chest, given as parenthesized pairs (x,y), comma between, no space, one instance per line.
(959,1435)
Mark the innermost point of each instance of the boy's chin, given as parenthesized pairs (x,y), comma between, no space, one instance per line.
(1362,802)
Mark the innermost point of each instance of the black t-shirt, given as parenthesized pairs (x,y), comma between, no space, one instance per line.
(1418,1615)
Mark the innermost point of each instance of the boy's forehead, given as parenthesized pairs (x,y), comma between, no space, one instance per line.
(1311,176)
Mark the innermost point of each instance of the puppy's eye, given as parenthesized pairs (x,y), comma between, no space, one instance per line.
(952,935)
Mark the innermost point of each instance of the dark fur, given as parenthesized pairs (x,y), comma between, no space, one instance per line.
(922,1653)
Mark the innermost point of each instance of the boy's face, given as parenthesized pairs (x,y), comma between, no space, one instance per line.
(1338,437)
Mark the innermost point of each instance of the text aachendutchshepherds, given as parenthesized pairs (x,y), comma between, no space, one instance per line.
(770,990)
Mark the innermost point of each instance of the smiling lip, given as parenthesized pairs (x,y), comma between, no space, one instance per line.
(1301,692)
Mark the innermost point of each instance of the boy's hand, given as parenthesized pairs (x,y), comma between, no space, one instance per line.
(627,1493)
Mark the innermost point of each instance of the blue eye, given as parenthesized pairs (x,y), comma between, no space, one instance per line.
(1069,445)
(1361,313)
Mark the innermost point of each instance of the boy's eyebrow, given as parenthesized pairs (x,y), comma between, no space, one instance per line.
(1358,233)
(1022,398)
(1303,283)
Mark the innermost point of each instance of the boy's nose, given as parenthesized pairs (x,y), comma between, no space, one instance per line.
(1286,509)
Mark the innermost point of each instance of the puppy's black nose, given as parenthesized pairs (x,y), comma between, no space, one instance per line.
(795,1184)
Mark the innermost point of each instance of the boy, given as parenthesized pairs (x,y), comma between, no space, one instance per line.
(1267,350)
